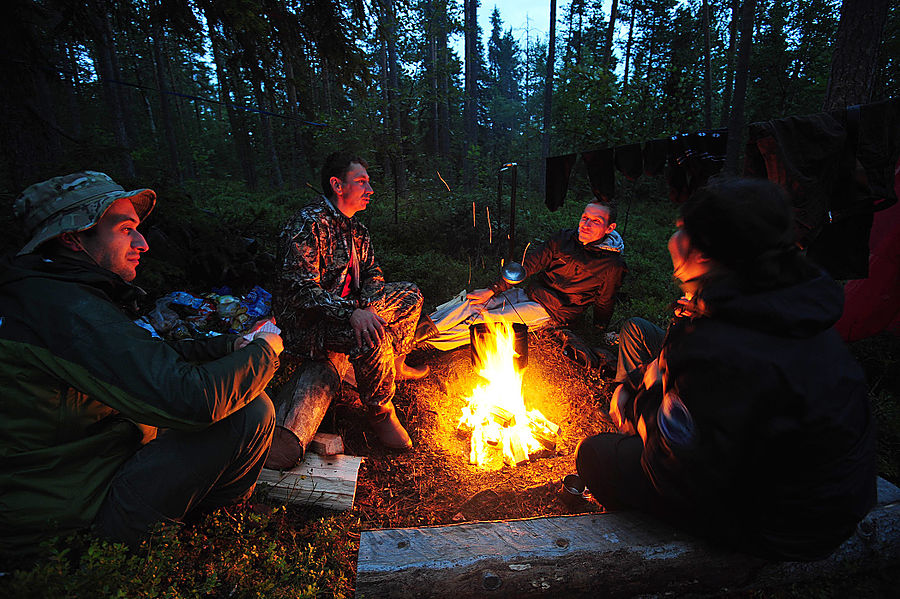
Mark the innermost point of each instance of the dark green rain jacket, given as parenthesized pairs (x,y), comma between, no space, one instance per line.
(77,377)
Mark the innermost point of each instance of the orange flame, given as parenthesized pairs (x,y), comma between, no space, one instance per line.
(495,412)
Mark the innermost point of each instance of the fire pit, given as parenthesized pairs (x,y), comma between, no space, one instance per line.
(501,429)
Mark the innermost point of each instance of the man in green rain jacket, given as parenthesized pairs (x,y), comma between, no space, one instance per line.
(101,424)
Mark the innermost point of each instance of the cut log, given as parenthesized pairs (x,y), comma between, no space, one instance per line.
(327,482)
(300,407)
(619,554)
(326,444)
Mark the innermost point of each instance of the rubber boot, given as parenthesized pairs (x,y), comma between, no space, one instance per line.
(405,372)
(388,428)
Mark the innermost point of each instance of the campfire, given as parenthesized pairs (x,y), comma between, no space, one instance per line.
(502,429)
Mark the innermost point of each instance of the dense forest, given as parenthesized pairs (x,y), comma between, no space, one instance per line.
(165,92)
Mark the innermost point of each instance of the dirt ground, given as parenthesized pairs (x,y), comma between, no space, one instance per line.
(434,483)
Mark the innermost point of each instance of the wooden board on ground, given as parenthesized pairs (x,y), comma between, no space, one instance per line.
(612,554)
(323,481)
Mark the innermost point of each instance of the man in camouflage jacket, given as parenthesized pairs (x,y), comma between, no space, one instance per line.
(332,296)
(101,424)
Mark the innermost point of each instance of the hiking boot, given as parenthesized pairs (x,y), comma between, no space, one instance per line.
(405,372)
(388,428)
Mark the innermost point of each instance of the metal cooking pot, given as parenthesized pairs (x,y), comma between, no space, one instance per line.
(481,331)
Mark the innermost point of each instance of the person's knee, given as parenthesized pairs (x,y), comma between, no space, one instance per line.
(259,416)
(633,328)
(585,457)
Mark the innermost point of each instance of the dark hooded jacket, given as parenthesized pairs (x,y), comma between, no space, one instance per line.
(78,377)
(567,276)
(760,432)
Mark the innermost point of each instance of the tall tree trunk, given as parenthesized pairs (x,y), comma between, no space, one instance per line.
(393,69)
(238,132)
(610,34)
(188,163)
(707,71)
(298,144)
(385,137)
(73,90)
(729,69)
(470,15)
(628,46)
(104,49)
(548,91)
(855,58)
(443,70)
(742,73)
(145,100)
(268,135)
(433,79)
(162,84)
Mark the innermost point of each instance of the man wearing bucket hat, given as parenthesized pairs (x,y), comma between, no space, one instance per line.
(101,424)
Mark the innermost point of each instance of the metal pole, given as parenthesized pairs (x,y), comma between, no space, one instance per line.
(499,202)
(512,212)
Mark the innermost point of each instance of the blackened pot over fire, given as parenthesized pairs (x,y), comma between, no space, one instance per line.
(481,332)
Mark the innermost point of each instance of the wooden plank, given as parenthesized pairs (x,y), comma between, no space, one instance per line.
(323,481)
(614,554)
(327,444)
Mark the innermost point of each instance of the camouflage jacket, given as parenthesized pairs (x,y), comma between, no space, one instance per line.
(314,259)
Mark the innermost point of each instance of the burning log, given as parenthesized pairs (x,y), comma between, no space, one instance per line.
(503,417)
(547,440)
(515,451)
(537,419)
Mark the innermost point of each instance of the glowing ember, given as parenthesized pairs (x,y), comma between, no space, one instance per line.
(496,413)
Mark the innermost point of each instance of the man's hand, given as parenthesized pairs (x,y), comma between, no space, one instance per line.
(368,326)
(619,398)
(652,374)
(274,341)
(480,296)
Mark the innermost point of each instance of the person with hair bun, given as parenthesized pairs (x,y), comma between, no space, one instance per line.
(746,422)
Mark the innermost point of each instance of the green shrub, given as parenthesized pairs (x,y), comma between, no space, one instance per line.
(229,554)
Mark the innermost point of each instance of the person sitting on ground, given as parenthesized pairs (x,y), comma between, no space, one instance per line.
(571,271)
(748,421)
(85,388)
(332,296)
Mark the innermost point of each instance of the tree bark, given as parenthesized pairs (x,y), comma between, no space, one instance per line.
(610,34)
(262,100)
(162,84)
(729,69)
(104,50)
(238,132)
(300,406)
(628,47)
(707,71)
(548,91)
(470,16)
(443,72)
(393,71)
(742,73)
(855,59)
(73,90)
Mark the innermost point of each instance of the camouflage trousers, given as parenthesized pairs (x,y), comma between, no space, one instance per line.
(400,306)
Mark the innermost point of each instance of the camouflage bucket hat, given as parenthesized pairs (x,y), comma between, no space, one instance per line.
(73,203)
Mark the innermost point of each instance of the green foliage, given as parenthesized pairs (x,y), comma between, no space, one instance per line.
(230,553)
